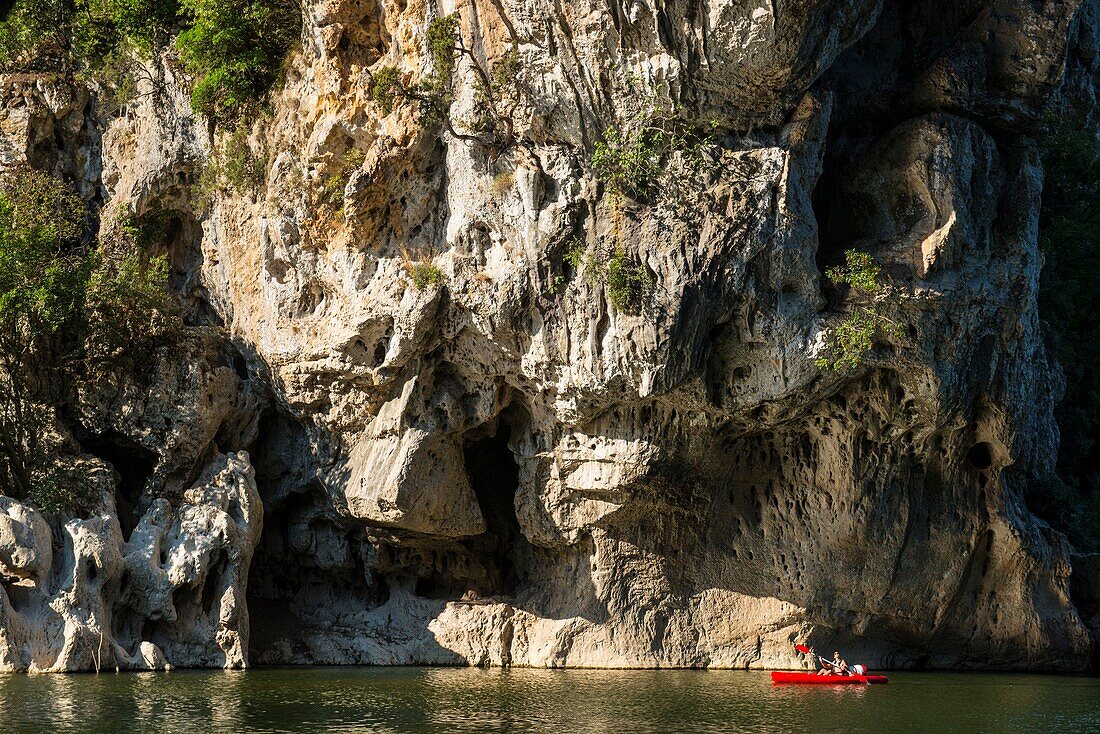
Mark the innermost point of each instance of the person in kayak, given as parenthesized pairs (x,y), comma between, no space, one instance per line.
(840,665)
(836,666)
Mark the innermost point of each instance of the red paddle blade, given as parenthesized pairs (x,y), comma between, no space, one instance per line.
(802,648)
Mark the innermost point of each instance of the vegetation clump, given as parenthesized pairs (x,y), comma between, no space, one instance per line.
(499,89)
(422,271)
(633,155)
(626,281)
(852,339)
(232,48)
(65,307)
(233,167)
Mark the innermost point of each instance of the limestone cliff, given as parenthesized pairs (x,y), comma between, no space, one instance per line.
(500,465)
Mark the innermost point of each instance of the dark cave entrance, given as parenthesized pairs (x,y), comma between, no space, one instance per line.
(317,575)
(134,464)
(493,474)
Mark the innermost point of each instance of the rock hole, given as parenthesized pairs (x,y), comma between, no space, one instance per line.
(134,464)
(980,455)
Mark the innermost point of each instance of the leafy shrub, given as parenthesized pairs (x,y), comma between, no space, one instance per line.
(852,339)
(74,35)
(385,88)
(422,271)
(62,307)
(233,49)
(128,309)
(233,167)
(64,488)
(626,280)
(43,269)
(632,156)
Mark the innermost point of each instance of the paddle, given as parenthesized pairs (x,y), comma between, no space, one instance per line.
(806,651)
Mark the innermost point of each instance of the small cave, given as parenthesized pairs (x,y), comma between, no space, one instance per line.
(309,568)
(980,456)
(134,464)
(494,475)
(183,243)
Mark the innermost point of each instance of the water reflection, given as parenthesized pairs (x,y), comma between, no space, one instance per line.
(384,701)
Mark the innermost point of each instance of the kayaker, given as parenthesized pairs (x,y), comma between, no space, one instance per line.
(840,665)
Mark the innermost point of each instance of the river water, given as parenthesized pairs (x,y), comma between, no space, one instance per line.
(453,701)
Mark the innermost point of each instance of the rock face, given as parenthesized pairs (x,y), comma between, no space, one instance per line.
(501,466)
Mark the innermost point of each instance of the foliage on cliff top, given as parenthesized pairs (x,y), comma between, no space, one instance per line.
(68,36)
(1069,303)
(232,48)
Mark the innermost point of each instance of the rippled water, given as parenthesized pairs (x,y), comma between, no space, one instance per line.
(473,700)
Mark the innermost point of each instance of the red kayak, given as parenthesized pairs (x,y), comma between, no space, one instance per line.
(786,676)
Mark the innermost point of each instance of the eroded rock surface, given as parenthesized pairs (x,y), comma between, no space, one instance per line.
(502,467)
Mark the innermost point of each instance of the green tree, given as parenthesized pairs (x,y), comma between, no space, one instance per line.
(234,49)
(43,269)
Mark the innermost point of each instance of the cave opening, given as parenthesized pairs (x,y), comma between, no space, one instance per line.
(310,568)
(134,465)
(980,456)
(493,474)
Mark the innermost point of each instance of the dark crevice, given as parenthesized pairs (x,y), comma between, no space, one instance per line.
(494,475)
(134,464)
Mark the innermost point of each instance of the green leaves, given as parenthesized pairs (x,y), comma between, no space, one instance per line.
(73,35)
(633,156)
(65,308)
(41,266)
(859,272)
(849,341)
(64,488)
(627,281)
(233,49)
(385,88)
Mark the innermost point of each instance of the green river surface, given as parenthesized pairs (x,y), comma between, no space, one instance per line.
(455,700)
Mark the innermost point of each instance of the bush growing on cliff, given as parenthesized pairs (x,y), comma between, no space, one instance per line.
(634,154)
(43,269)
(848,342)
(499,89)
(127,308)
(68,36)
(422,271)
(233,48)
(233,167)
(626,280)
